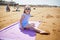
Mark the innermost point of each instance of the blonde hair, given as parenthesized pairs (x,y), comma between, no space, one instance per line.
(27,6)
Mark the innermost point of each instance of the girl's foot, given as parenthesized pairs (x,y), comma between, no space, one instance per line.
(44,33)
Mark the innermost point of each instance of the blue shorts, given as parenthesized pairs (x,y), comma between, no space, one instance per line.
(24,25)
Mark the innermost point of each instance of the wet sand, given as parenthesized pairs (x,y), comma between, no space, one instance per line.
(50,18)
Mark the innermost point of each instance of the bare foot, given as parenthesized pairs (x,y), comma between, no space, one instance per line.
(44,33)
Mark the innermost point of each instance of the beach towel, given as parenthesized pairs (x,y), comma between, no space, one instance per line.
(12,32)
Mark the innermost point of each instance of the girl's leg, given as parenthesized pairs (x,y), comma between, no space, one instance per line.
(38,30)
(32,26)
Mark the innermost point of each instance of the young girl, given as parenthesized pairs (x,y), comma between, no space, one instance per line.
(24,21)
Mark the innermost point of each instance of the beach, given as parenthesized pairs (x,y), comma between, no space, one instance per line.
(49,17)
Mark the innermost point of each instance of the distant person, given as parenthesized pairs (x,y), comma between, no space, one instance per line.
(25,19)
(17,7)
(7,8)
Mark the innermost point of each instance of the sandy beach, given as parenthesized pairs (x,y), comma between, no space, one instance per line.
(49,16)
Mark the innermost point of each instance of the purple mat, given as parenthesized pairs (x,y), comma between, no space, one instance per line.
(13,32)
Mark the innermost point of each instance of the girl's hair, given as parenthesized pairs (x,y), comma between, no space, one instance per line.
(27,7)
(24,11)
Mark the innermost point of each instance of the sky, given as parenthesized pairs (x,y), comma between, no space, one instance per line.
(37,2)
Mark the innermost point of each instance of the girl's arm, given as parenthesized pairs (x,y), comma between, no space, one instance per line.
(22,17)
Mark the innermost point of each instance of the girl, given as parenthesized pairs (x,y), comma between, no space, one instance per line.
(24,21)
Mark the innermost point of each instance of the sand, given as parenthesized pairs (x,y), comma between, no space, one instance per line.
(50,18)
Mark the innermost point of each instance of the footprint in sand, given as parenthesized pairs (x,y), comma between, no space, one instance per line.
(4,20)
(42,16)
(54,29)
(1,25)
(43,25)
(0,21)
(44,22)
(49,16)
(53,23)
(57,16)
(58,30)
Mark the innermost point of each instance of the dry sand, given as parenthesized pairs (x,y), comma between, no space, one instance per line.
(50,18)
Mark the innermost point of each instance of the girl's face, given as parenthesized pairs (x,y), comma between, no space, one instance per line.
(27,10)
